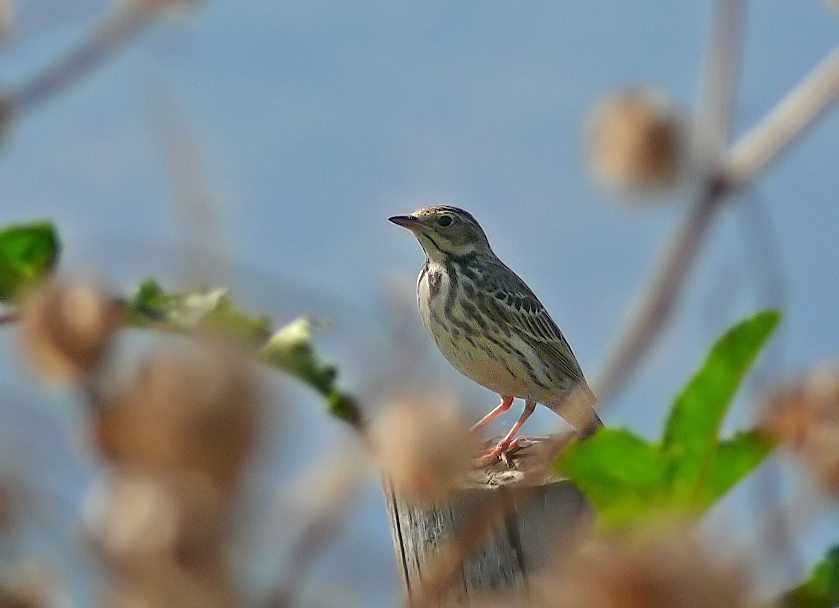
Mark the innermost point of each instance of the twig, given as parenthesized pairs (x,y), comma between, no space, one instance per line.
(712,123)
(716,106)
(194,201)
(115,31)
(779,522)
(339,488)
(6,19)
(657,300)
(772,284)
(787,121)
(761,249)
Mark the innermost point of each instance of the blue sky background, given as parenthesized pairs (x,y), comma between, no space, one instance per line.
(317,120)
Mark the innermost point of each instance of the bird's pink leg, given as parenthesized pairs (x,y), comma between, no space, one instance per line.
(504,445)
(505,404)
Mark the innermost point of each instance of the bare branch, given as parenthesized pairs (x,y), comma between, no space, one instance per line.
(6,18)
(657,300)
(336,487)
(712,123)
(754,151)
(195,204)
(714,115)
(818,92)
(115,31)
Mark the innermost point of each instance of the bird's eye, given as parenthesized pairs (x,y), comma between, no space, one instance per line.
(444,221)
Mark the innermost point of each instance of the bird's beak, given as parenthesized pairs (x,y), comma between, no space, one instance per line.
(406,221)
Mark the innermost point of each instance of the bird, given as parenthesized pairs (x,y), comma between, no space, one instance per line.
(492,328)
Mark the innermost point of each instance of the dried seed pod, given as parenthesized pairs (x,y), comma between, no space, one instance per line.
(805,416)
(637,142)
(159,585)
(136,516)
(423,445)
(663,571)
(194,410)
(129,514)
(30,585)
(66,328)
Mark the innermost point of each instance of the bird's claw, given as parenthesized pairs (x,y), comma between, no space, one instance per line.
(501,452)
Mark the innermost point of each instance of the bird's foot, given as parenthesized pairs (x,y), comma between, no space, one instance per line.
(500,452)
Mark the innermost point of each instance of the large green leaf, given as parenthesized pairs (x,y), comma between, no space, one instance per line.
(692,432)
(630,479)
(28,252)
(731,461)
(619,472)
(821,590)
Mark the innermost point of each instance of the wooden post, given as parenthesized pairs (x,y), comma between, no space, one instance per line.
(496,531)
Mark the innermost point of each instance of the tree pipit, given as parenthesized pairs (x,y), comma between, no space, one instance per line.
(491,327)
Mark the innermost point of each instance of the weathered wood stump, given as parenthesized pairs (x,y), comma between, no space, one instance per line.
(501,527)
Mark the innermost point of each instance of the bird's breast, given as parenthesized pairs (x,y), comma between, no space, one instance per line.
(432,291)
(457,334)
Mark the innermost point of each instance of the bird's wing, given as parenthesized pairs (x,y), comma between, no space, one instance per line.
(518,305)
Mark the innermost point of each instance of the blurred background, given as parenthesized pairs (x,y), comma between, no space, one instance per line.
(313,122)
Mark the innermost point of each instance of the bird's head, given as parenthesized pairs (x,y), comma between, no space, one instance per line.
(445,232)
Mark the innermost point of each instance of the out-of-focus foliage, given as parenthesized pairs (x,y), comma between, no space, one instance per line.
(821,590)
(664,568)
(66,329)
(423,445)
(290,349)
(629,479)
(703,467)
(803,415)
(198,309)
(28,252)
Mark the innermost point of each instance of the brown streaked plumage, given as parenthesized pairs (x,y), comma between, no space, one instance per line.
(491,327)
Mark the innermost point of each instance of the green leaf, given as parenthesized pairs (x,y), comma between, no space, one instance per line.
(28,252)
(291,349)
(733,459)
(199,309)
(345,407)
(821,590)
(623,475)
(700,407)
(692,431)
(629,479)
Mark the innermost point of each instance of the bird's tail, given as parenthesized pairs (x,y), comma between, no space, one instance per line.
(577,408)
